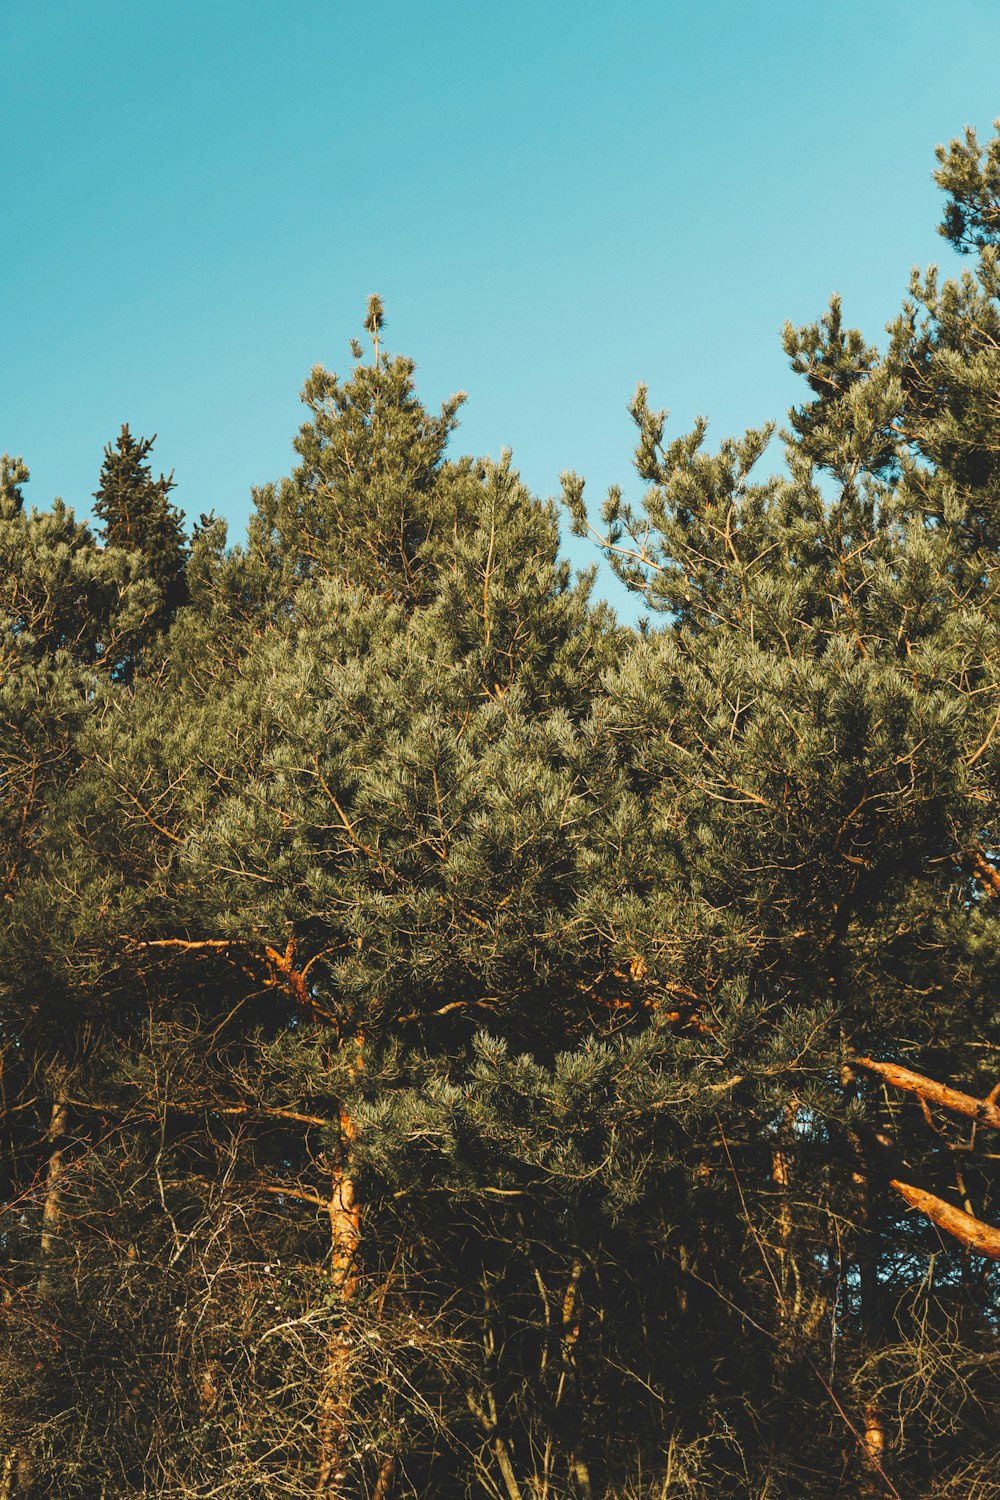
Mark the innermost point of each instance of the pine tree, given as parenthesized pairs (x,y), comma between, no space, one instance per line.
(480,1049)
(411,823)
(816,720)
(373,497)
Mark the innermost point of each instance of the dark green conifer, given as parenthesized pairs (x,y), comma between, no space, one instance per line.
(479,1049)
(138,516)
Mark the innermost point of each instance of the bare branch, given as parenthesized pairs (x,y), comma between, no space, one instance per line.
(982,1239)
(983,1111)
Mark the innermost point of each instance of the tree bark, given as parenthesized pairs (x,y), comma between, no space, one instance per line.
(982,1239)
(335,1397)
(872,1311)
(55,1136)
(983,1111)
(973,1233)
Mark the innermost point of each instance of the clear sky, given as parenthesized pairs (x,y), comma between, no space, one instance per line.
(555,199)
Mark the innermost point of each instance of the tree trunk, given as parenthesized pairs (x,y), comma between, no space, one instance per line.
(55,1137)
(874,1440)
(335,1397)
(385,1483)
(17,1476)
(874,1436)
(781,1177)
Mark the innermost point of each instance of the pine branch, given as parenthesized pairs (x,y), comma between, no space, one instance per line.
(982,1111)
(280,966)
(206,1107)
(984,872)
(296,1193)
(981,1238)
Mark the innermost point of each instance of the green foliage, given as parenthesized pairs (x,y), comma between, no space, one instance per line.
(372,500)
(456,1032)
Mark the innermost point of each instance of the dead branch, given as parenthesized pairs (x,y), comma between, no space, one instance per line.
(982,1111)
(982,1239)
(293,1192)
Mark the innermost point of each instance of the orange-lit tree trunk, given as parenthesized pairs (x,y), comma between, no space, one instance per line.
(781,1178)
(335,1396)
(874,1439)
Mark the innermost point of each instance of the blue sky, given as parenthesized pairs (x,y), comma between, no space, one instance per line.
(554,200)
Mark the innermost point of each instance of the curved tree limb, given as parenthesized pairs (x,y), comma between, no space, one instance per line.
(976,1235)
(980,1238)
(983,1111)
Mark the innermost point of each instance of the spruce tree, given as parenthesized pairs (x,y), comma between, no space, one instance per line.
(137,516)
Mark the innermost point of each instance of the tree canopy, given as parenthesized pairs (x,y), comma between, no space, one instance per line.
(453,1043)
